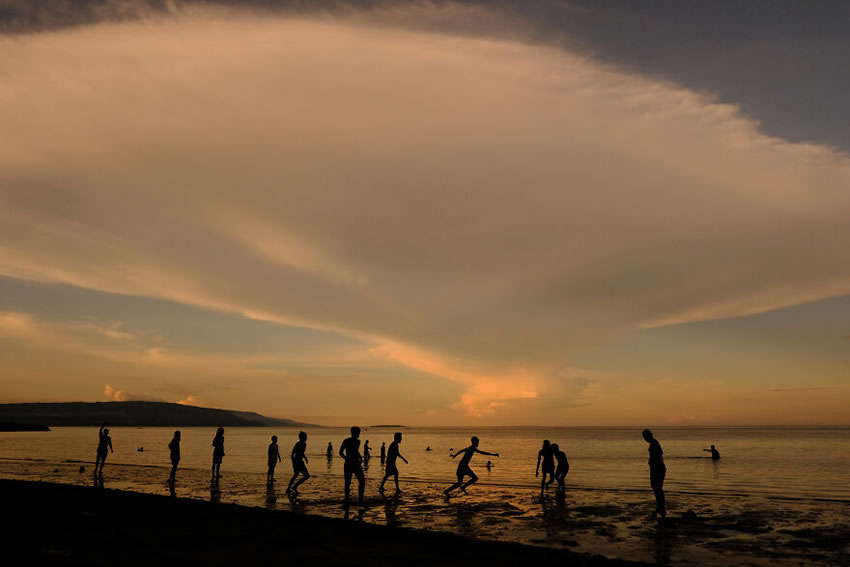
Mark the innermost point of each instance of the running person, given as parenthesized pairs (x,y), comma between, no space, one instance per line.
(563,466)
(350,451)
(104,442)
(392,466)
(299,466)
(463,469)
(274,459)
(546,455)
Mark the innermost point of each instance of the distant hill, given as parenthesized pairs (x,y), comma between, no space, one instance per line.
(134,414)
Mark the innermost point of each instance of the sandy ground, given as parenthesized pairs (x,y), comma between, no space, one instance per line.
(725,531)
(74,525)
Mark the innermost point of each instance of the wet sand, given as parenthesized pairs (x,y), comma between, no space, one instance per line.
(74,525)
(728,530)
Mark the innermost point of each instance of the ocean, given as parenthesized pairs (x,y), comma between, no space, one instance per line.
(780,493)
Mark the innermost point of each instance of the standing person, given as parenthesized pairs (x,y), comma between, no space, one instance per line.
(299,463)
(174,448)
(330,451)
(383,453)
(563,466)
(218,453)
(463,469)
(657,472)
(546,455)
(715,454)
(367,451)
(274,459)
(104,442)
(350,451)
(392,466)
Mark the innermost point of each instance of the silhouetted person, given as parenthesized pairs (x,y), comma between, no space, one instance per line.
(563,466)
(657,472)
(274,459)
(174,449)
(330,451)
(350,452)
(392,465)
(489,465)
(715,454)
(299,463)
(104,444)
(463,469)
(383,453)
(428,448)
(218,453)
(367,451)
(545,455)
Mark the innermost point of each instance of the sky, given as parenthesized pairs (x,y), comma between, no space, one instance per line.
(449,213)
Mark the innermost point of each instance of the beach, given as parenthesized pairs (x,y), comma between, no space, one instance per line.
(619,525)
(72,525)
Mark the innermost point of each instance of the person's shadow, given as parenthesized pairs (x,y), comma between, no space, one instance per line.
(215,492)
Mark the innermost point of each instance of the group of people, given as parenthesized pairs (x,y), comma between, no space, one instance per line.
(553,460)
(548,455)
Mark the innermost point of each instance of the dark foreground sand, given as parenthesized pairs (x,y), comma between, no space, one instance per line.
(73,525)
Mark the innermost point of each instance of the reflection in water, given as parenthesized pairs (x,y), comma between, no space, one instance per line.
(463,520)
(271,497)
(554,515)
(663,544)
(215,493)
(358,517)
(390,511)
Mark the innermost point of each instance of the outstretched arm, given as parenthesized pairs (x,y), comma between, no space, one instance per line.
(458,453)
(486,453)
(707,450)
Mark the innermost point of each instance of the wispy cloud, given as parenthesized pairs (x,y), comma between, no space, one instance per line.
(477,208)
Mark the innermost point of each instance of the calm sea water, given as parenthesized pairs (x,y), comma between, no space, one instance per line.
(794,463)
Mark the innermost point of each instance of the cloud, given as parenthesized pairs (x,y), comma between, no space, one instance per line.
(477,209)
(190,400)
(116,395)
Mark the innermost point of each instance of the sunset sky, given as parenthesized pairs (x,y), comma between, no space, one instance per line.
(508,212)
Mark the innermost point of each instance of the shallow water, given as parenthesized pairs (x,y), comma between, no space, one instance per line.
(770,462)
(777,495)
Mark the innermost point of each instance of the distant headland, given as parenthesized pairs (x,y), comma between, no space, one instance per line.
(12,426)
(131,414)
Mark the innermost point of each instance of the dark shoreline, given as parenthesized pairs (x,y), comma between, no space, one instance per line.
(72,525)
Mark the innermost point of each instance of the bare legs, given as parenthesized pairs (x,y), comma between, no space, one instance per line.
(460,484)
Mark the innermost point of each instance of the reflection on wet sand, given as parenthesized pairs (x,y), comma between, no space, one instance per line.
(611,523)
